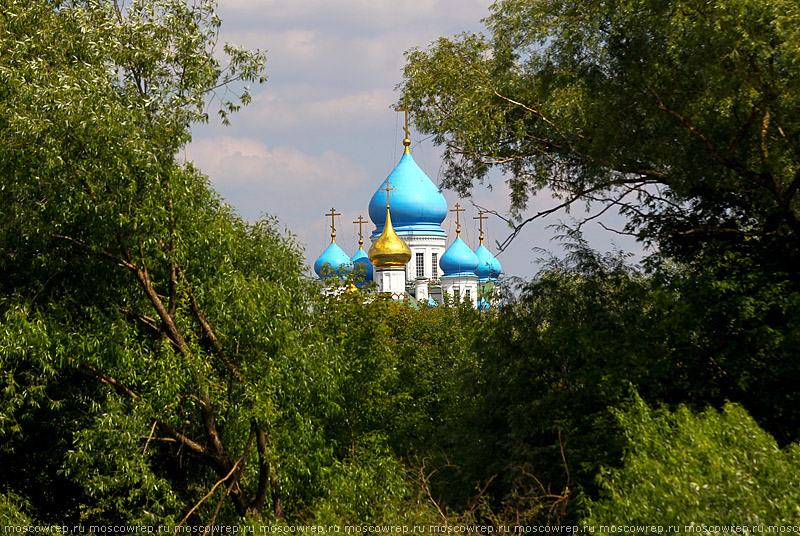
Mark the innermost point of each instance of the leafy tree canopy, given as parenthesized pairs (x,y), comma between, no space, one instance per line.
(683,113)
(712,468)
(152,343)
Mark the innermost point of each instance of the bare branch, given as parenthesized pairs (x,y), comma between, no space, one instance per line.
(89,248)
(173,291)
(149,437)
(194,447)
(761,179)
(617,231)
(764,128)
(425,479)
(219,505)
(501,246)
(726,230)
(167,321)
(144,319)
(210,493)
(118,386)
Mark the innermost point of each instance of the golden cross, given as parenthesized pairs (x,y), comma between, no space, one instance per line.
(405,127)
(480,217)
(458,220)
(333,214)
(386,187)
(360,221)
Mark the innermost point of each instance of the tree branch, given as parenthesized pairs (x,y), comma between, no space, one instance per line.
(759,179)
(215,344)
(89,248)
(193,446)
(144,319)
(260,499)
(211,491)
(167,321)
(118,386)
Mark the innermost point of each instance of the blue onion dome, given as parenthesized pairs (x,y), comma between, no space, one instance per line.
(496,268)
(418,206)
(485,259)
(458,260)
(361,259)
(483,305)
(335,258)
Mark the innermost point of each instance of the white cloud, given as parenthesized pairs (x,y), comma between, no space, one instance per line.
(365,14)
(256,179)
(306,108)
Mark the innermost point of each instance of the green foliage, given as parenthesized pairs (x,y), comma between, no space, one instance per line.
(400,381)
(154,346)
(711,468)
(11,512)
(153,343)
(603,100)
(535,423)
(161,345)
(531,416)
(400,366)
(735,329)
(682,116)
(369,488)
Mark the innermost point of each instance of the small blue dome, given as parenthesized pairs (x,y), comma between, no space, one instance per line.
(361,258)
(488,265)
(417,205)
(334,257)
(483,305)
(458,260)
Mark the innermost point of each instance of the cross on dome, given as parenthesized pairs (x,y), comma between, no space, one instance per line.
(333,214)
(360,221)
(406,140)
(458,220)
(386,187)
(409,256)
(480,217)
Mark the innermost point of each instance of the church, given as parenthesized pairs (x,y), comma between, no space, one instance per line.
(409,257)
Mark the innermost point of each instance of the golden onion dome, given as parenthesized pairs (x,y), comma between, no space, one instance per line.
(389,249)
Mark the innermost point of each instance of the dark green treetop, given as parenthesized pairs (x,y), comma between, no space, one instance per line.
(682,113)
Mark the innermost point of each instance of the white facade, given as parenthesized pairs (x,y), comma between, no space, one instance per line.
(461,288)
(428,247)
(426,250)
(391,280)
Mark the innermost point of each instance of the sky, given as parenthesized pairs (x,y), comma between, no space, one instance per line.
(322,131)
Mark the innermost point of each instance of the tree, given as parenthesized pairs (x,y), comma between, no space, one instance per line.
(710,468)
(536,420)
(154,346)
(682,114)
(532,426)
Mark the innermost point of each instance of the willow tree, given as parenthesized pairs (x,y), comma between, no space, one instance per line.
(608,101)
(684,116)
(152,343)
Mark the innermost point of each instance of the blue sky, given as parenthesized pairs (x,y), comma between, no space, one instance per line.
(321,132)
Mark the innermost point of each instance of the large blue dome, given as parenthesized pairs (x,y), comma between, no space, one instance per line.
(361,258)
(335,257)
(458,260)
(417,205)
(488,265)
